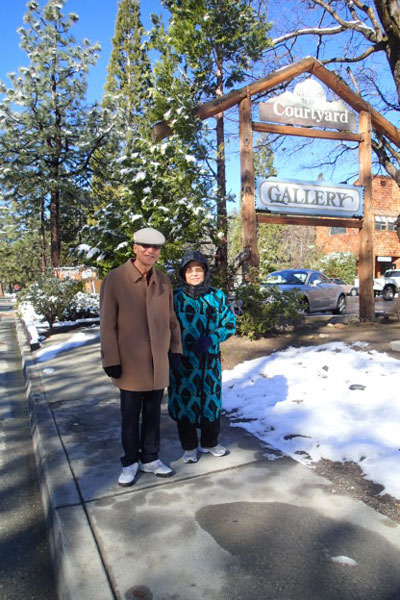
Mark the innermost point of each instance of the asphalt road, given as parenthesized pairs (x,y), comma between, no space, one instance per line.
(381,305)
(25,567)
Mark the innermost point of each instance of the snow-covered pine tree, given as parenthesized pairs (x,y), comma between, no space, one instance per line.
(163,185)
(219,42)
(48,134)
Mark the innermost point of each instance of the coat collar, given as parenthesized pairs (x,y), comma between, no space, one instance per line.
(134,274)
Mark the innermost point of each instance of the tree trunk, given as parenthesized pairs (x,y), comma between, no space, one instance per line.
(221,258)
(389,16)
(222,249)
(43,257)
(55,228)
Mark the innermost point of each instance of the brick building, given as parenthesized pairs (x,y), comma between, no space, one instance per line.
(386,245)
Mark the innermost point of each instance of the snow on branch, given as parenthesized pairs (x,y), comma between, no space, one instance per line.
(308,31)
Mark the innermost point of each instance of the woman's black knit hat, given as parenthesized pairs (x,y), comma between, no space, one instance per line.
(193,255)
(195,291)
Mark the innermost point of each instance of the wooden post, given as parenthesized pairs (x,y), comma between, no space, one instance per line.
(248,210)
(366,266)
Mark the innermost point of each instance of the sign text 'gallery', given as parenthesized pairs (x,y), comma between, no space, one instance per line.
(295,197)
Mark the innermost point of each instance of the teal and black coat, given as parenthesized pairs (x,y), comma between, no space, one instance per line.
(194,392)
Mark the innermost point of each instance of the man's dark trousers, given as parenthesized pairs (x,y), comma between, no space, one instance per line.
(143,446)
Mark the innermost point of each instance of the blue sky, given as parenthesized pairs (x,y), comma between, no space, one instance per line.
(96,22)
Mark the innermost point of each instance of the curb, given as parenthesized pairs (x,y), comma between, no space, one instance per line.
(77,563)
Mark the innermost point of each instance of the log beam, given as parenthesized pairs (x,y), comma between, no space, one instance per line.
(249,219)
(309,221)
(366,257)
(306,132)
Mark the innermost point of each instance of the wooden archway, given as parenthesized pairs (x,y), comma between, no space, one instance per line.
(368,118)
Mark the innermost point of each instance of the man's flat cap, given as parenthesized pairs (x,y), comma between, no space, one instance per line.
(148,235)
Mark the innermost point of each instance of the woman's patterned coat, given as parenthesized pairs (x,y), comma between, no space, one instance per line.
(194,393)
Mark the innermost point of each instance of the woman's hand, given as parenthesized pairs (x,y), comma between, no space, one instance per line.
(201,345)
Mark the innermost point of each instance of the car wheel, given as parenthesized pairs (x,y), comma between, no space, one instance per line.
(304,306)
(341,305)
(388,292)
(354,292)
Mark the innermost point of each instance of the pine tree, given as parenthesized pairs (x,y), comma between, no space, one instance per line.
(219,41)
(20,247)
(48,134)
(125,94)
(163,185)
(128,73)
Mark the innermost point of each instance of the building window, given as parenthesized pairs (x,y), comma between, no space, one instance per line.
(337,230)
(385,223)
(380,224)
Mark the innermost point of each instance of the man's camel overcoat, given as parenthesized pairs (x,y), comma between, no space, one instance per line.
(138,327)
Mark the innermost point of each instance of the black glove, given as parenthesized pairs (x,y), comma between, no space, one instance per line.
(175,360)
(201,345)
(115,371)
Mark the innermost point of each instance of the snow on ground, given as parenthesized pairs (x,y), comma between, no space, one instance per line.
(77,339)
(333,401)
(36,326)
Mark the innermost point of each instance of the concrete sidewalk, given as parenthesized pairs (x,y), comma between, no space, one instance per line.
(241,527)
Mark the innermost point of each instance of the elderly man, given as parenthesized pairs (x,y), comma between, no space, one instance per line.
(138,330)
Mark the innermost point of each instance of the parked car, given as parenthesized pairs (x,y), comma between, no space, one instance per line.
(389,283)
(318,293)
(382,287)
(348,288)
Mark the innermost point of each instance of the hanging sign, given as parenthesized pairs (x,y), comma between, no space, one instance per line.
(314,198)
(307,105)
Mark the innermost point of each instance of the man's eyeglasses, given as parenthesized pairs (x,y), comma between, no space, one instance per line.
(154,246)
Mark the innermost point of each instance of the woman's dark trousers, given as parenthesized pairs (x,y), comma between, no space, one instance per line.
(209,433)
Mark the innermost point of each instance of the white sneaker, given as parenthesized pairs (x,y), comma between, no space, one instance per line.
(190,456)
(217,450)
(157,467)
(128,475)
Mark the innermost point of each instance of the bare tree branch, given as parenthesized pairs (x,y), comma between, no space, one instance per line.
(354,59)
(372,34)
(368,11)
(309,31)
(363,30)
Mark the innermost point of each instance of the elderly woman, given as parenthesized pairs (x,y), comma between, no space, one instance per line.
(194,393)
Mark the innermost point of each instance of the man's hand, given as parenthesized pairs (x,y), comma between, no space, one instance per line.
(175,360)
(115,371)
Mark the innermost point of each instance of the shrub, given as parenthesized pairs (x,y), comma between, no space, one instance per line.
(51,296)
(263,310)
(82,306)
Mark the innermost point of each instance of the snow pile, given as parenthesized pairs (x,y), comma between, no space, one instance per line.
(329,401)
